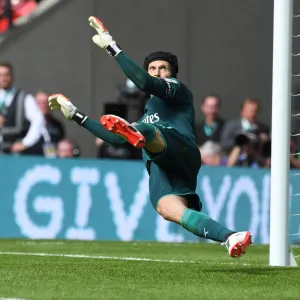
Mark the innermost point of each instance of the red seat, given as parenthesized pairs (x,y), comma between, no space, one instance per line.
(4,25)
(23,8)
(19,9)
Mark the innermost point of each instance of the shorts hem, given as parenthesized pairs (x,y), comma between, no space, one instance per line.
(175,194)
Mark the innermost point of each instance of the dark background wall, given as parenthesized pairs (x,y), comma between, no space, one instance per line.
(222,46)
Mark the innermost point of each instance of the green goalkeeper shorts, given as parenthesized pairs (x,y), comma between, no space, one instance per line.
(175,171)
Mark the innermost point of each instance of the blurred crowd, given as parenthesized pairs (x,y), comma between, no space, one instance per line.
(244,141)
(28,127)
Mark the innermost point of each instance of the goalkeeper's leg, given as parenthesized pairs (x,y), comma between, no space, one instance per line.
(175,208)
(101,132)
(139,135)
(116,130)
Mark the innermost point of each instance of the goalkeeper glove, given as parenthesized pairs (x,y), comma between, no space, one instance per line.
(60,102)
(103,39)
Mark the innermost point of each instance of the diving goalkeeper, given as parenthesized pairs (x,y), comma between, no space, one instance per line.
(166,133)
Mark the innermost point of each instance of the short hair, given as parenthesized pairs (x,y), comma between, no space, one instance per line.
(7,65)
(42,91)
(213,95)
(67,140)
(75,147)
(251,100)
(210,148)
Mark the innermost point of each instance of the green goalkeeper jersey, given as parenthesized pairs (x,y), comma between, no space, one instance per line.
(171,104)
(175,110)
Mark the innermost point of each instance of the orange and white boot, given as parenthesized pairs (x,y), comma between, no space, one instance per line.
(121,127)
(238,242)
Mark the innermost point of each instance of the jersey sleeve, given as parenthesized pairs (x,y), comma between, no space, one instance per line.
(164,88)
(176,91)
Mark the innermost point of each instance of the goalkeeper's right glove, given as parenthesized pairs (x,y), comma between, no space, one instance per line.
(103,39)
(61,102)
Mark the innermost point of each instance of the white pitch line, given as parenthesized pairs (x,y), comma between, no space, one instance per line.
(11,299)
(113,258)
(40,243)
(96,257)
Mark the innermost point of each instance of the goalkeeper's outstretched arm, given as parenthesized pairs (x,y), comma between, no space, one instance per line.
(134,72)
(62,103)
(140,76)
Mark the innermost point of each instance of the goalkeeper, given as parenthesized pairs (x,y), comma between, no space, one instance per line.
(166,133)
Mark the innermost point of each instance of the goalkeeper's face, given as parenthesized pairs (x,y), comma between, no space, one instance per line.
(160,68)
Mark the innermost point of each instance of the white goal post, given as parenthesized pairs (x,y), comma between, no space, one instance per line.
(281,117)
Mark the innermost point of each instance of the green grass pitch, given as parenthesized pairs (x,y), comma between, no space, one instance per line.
(43,270)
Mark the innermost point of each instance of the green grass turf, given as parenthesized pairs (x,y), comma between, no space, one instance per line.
(204,271)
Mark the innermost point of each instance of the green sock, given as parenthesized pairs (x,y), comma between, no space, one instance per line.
(203,226)
(147,130)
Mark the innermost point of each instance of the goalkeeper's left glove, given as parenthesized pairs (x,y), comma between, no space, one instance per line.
(103,39)
(61,102)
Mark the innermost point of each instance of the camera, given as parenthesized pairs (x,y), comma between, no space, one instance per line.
(246,138)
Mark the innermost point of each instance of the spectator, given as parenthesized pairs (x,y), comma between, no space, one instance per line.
(247,122)
(294,153)
(211,127)
(54,127)
(21,121)
(266,155)
(67,148)
(245,151)
(211,154)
